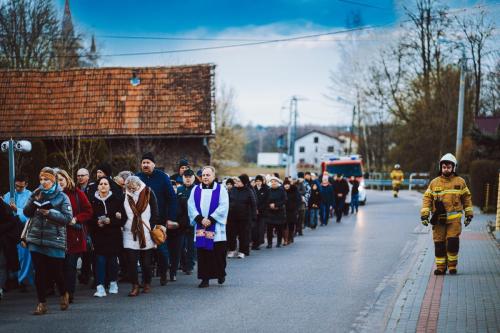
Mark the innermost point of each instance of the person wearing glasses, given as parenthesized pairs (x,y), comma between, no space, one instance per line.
(83,181)
(208,207)
(21,196)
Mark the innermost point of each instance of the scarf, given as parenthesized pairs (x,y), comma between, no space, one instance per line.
(50,190)
(139,208)
(205,236)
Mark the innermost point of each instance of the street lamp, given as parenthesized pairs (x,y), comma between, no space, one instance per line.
(10,146)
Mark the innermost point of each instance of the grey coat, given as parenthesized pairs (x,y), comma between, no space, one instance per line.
(50,230)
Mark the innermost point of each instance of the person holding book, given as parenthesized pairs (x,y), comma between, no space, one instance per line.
(50,211)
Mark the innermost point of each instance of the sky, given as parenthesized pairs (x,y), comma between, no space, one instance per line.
(263,77)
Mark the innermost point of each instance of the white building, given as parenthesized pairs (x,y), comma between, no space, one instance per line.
(310,147)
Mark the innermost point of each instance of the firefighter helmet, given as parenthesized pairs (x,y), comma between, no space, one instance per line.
(450,159)
(397,166)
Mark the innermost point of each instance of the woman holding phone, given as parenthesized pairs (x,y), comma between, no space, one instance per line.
(109,218)
(50,211)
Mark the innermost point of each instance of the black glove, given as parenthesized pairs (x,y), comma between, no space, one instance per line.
(468,220)
(424,220)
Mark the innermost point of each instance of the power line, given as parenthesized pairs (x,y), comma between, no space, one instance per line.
(362,4)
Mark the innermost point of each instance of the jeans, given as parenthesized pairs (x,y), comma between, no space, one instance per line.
(163,257)
(354,202)
(70,271)
(175,248)
(324,213)
(106,264)
(313,217)
(339,207)
(188,252)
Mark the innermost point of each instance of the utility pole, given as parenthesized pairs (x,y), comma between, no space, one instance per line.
(292,135)
(460,117)
(352,129)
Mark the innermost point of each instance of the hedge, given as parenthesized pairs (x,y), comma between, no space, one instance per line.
(484,172)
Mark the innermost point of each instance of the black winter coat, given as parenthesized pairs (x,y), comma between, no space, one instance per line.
(276,215)
(242,205)
(293,199)
(9,236)
(315,199)
(261,198)
(183,194)
(108,240)
(340,187)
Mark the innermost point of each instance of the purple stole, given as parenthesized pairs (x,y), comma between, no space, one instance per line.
(205,236)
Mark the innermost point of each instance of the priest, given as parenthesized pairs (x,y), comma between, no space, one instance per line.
(208,206)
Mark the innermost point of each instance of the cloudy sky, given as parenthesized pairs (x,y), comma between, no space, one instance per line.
(264,77)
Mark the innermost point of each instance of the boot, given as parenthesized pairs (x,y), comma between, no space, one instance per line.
(203,284)
(147,288)
(41,309)
(64,303)
(135,290)
(163,279)
(439,272)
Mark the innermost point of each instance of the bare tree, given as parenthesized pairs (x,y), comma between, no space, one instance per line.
(478,30)
(229,139)
(27,28)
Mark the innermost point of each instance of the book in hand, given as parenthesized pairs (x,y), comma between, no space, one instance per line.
(43,205)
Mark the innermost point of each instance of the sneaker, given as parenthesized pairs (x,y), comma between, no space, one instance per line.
(100,292)
(113,287)
(232,254)
(241,255)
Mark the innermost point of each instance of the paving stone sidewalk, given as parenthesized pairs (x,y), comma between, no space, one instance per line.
(467,302)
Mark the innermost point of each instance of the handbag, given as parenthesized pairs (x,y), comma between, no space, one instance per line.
(158,233)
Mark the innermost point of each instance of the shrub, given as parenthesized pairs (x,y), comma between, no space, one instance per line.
(484,172)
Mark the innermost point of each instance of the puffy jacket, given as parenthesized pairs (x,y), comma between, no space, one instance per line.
(76,236)
(326,194)
(50,230)
(278,198)
(242,205)
(454,194)
(261,195)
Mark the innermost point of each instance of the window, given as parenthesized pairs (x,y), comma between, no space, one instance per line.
(302,161)
(330,149)
(302,149)
(316,139)
(315,160)
(316,149)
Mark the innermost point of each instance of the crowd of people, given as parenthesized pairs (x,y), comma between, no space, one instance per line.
(111,225)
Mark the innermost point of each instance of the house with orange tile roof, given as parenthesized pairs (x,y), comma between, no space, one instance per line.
(166,110)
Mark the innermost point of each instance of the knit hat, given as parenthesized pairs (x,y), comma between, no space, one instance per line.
(230,181)
(148,156)
(244,179)
(183,162)
(300,175)
(199,173)
(104,167)
(188,173)
(259,177)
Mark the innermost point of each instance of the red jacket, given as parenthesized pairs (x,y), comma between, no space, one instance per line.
(76,237)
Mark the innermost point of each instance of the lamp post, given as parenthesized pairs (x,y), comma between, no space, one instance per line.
(10,146)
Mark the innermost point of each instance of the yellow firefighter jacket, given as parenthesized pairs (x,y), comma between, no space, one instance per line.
(454,194)
(397,177)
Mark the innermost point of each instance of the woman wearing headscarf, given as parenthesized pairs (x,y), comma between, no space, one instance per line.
(76,236)
(208,207)
(50,211)
(275,211)
(108,219)
(242,214)
(141,209)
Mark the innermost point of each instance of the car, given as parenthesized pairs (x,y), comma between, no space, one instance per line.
(347,166)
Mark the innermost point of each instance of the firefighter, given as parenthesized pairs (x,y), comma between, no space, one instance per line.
(447,197)
(397,177)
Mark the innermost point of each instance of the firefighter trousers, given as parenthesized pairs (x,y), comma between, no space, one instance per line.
(446,244)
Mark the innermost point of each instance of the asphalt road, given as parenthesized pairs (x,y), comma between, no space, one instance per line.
(339,278)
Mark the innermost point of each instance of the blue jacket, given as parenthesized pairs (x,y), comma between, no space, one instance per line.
(160,183)
(326,193)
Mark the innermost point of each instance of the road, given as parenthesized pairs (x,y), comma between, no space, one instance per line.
(339,278)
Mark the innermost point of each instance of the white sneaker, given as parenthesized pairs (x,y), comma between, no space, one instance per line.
(113,287)
(232,254)
(100,291)
(241,255)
